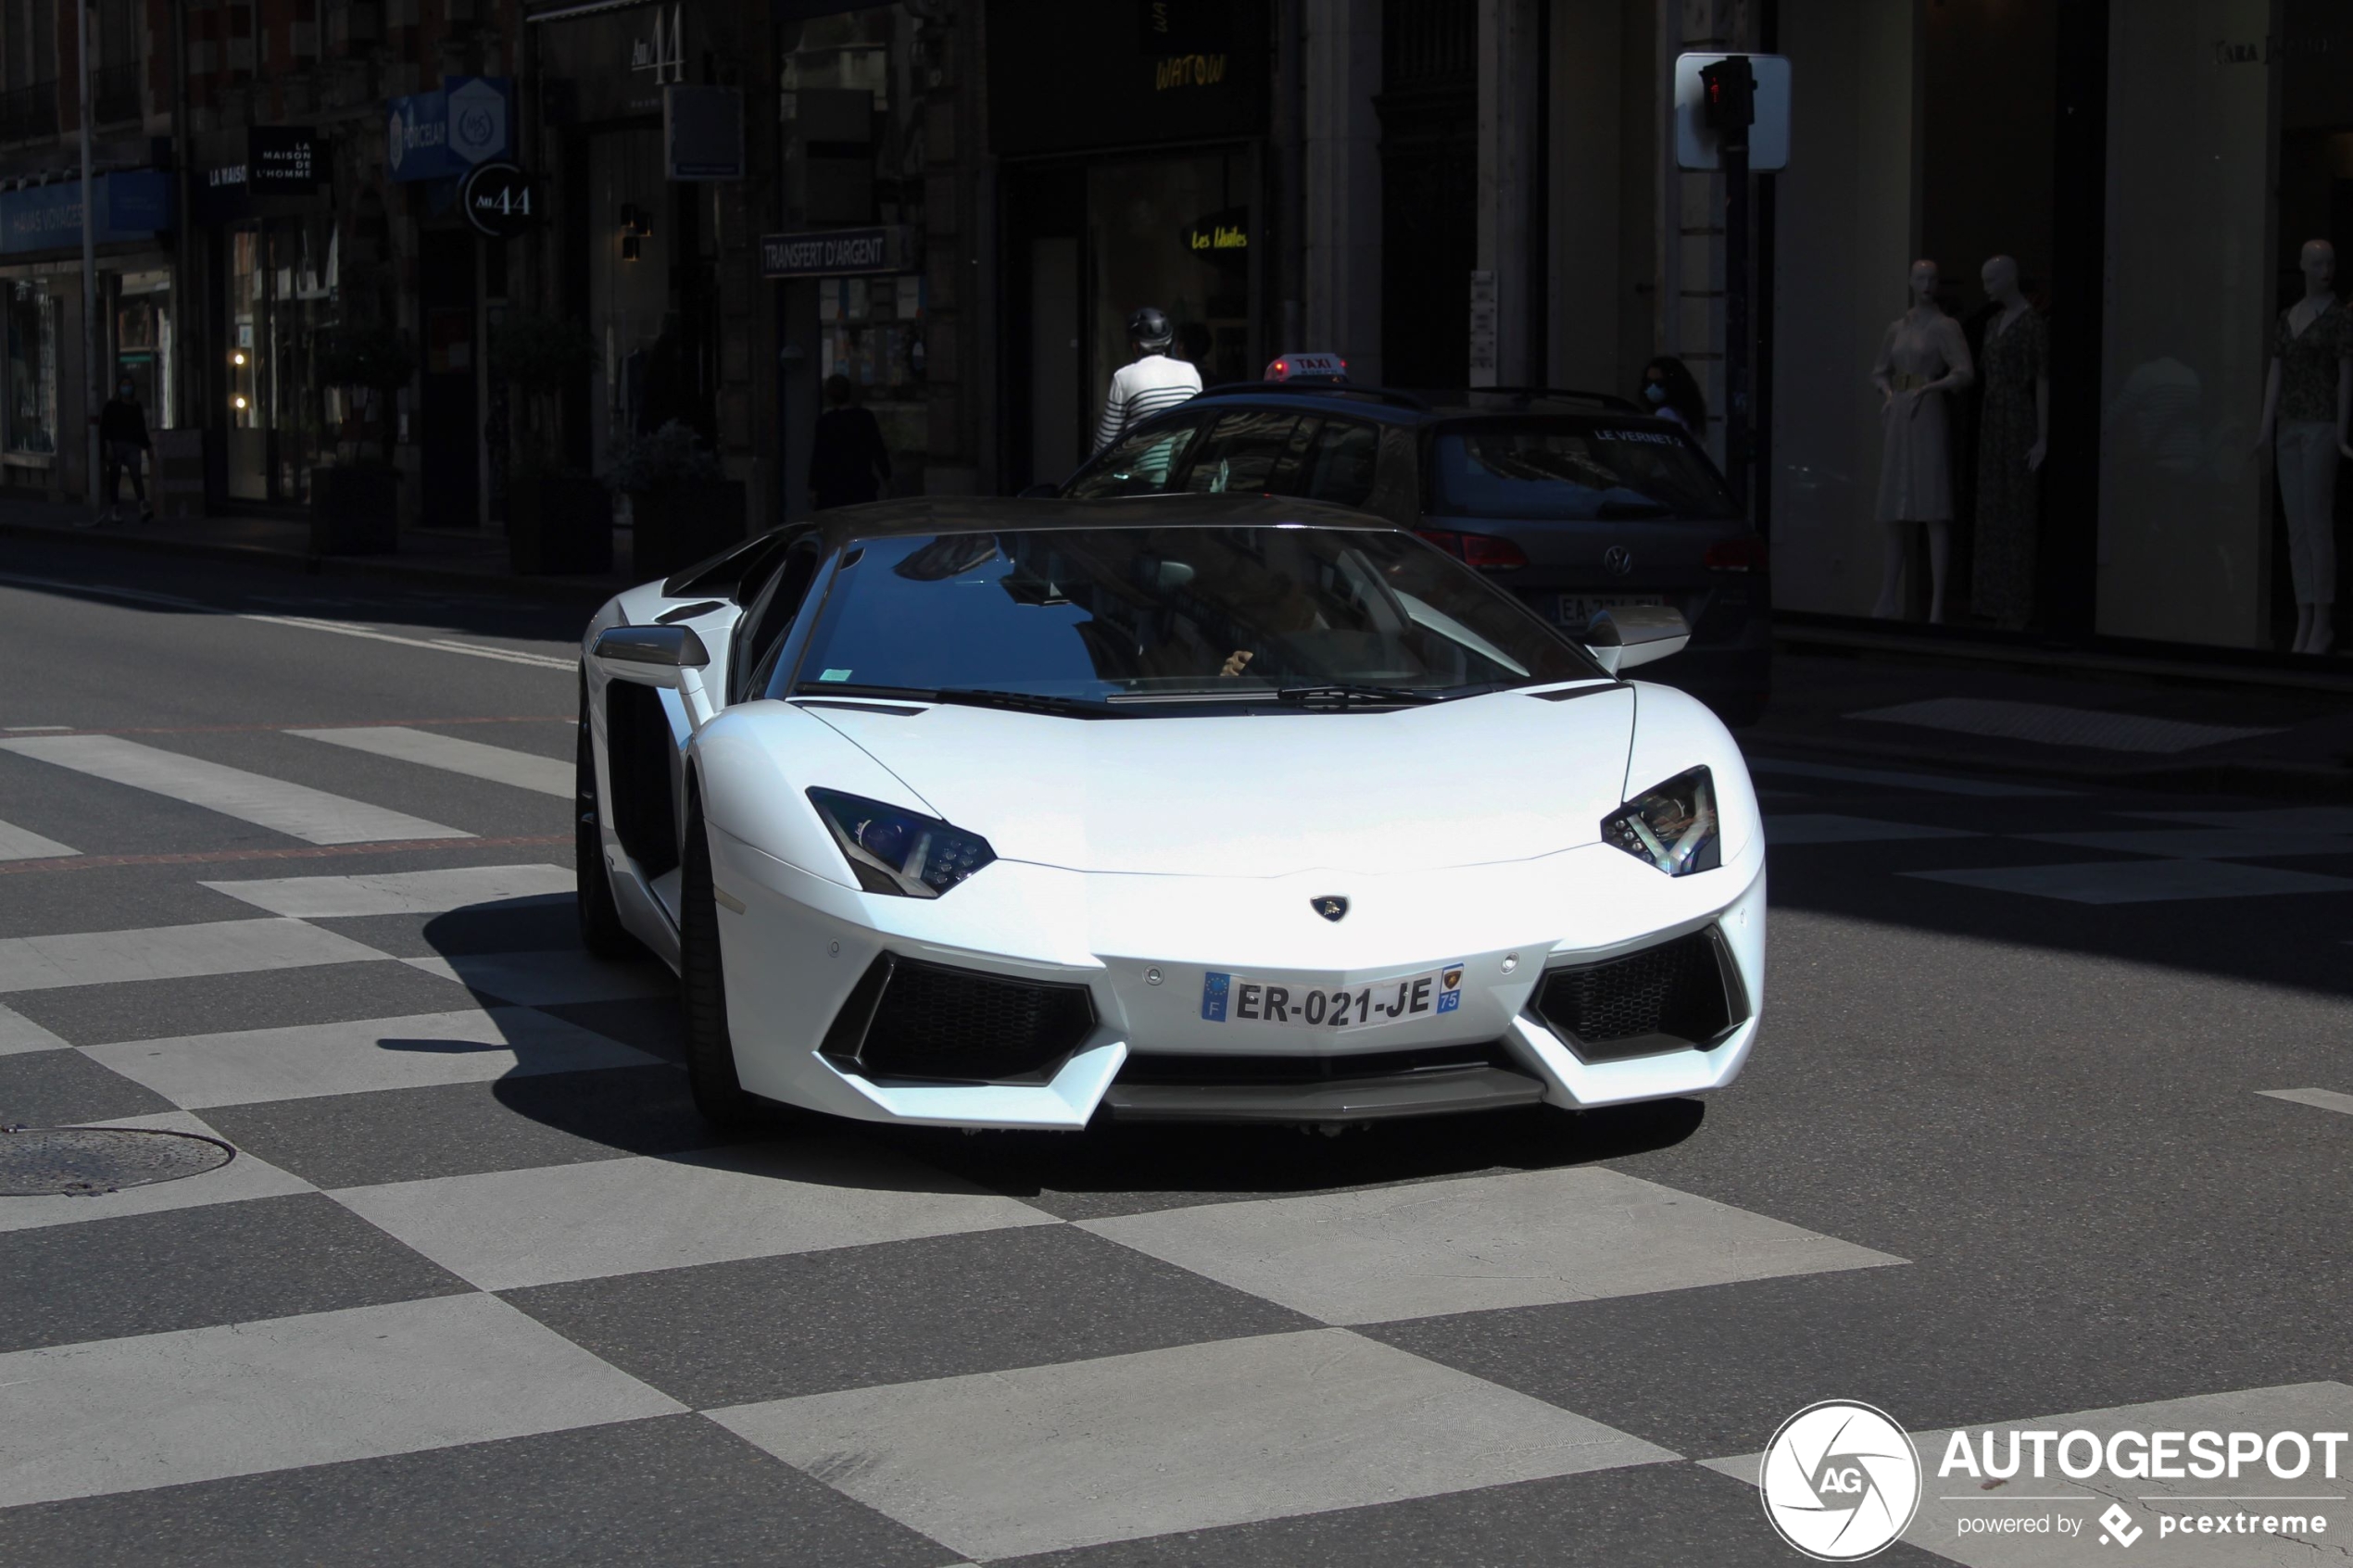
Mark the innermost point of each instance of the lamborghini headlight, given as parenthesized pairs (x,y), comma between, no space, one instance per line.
(894,850)
(1673,825)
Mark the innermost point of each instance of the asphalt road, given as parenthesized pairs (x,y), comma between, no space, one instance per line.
(283,861)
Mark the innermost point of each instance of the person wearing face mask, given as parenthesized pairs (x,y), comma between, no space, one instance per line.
(1671,390)
(122,434)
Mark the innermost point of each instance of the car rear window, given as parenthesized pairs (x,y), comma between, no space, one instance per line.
(1571,469)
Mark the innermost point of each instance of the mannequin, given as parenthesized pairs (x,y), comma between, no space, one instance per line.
(1922,358)
(2306,399)
(2013,436)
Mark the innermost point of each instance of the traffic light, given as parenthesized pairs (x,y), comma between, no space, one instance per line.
(1730,85)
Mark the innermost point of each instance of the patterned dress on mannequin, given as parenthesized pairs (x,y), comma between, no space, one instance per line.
(2009,492)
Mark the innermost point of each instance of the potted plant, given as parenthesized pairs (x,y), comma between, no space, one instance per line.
(355,507)
(557,520)
(684,505)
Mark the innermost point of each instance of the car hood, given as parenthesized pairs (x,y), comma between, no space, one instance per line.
(1501,777)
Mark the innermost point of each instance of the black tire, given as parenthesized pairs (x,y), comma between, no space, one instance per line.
(600,929)
(702,990)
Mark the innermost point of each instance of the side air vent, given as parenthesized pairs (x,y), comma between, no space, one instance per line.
(910,1019)
(1673,996)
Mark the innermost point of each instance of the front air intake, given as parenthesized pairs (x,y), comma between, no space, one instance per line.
(910,1019)
(1676,996)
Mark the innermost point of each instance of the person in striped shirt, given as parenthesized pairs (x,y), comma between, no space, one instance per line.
(1150,383)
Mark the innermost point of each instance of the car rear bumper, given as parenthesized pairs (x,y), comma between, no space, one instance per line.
(804,1006)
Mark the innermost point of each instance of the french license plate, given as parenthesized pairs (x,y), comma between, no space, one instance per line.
(1238,998)
(1575,609)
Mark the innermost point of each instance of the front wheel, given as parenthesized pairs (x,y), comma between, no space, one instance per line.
(702,990)
(600,929)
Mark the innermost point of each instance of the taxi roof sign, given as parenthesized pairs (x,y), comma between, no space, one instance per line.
(1308,367)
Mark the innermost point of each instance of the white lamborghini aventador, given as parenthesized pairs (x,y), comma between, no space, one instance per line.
(1014,813)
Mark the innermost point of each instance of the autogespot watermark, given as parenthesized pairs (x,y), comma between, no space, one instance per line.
(1995,1457)
(1841,1481)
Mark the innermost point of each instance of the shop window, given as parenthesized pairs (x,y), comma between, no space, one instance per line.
(32,411)
(143,343)
(871,331)
(283,294)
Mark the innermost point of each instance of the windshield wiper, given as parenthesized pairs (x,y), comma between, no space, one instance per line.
(1343,694)
(1015,702)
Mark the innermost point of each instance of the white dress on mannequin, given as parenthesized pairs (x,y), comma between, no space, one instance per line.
(1916,470)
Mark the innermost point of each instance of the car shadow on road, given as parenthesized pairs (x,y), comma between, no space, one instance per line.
(599,1049)
(1199,1160)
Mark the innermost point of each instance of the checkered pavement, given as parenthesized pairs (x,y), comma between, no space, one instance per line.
(476,1232)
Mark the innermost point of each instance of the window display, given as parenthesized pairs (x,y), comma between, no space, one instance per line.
(31,413)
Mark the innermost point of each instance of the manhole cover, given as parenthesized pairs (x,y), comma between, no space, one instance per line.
(41,1162)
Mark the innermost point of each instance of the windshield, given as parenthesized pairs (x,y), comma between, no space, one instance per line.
(1571,471)
(1129,620)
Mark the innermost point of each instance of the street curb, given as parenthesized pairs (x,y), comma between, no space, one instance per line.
(2279,781)
(1806,636)
(588,595)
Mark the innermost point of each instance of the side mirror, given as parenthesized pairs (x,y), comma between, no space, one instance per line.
(1628,635)
(651,652)
(1039,492)
(669,657)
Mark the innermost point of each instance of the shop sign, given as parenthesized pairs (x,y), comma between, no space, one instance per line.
(1220,236)
(280,157)
(665,56)
(445,133)
(497,198)
(837,252)
(132,203)
(702,132)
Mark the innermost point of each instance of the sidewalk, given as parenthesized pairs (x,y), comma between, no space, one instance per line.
(2133,727)
(442,556)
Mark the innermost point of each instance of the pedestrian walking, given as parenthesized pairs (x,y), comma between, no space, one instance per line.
(122,437)
(1150,383)
(848,461)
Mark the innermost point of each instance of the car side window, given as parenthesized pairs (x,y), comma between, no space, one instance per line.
(1251,452)
(1339,463)
(1139,464)
(765,624)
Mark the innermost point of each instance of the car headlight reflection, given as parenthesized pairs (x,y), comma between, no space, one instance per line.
(897,851)
(1673,825)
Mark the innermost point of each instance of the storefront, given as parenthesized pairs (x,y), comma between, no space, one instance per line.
(435,140)
(264,201)
(2154,170)
(636,249)
(849,277)
(41,296)
(1134,174)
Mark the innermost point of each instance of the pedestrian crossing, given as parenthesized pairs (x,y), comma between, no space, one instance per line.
(474,1230)
(455,1313)
(312,815)
(23,843)
(474,759)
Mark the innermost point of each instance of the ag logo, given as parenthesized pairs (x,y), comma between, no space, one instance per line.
(1841,1481)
